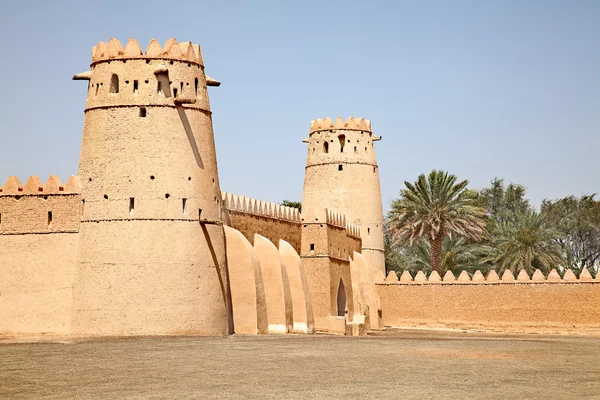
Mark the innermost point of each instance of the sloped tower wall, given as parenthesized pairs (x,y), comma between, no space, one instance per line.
(342,174)
(151,257)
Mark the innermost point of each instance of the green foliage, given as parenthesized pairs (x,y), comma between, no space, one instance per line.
(527,243)
(292,204)
(432,208)
(564,234)
(578,222)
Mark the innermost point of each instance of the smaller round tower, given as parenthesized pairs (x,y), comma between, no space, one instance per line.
(342,175)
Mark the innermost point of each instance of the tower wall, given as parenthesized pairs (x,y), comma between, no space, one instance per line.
(151,257)
(342,174)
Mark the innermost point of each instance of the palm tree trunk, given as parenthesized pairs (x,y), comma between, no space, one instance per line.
(436,254)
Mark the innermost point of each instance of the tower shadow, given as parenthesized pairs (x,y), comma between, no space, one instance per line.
(190,134)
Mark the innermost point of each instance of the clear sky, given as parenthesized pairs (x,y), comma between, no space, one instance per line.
(479,88)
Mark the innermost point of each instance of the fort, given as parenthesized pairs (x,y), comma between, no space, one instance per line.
(143,241)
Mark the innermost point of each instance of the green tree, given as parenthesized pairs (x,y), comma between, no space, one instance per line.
(292,204)
(578,221)
(504,203)
(435,207)
(526,243)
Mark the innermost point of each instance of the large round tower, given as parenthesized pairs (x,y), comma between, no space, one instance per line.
(342,175)
(151,257)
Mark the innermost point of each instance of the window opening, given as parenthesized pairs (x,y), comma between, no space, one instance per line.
(131,205)
(114,83)
(312,247)
(326,147)
(49,218)
(135,87)
(142,112)
(341,300)
(342,139)
(184,206)
(340,167)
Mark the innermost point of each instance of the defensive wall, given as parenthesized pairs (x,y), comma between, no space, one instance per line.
(273,221)
(38,246)
(536,304)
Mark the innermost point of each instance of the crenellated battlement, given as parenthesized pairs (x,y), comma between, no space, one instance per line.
(492,278)
(351,123)
(34,186)
(233,202)
(36,208)
(172,50)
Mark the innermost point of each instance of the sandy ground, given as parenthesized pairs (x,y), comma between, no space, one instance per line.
(390,365)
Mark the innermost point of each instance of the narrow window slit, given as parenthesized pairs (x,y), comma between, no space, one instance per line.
(312,247)
(142,112)
(131,205)
(184,206)
(135,86)
(49,218)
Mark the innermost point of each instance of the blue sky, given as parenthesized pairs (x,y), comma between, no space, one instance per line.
(479,88)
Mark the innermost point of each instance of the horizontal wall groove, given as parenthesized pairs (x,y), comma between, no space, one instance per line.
(144,58)
(342,163)
(38,232)
(204,221)
(207,112)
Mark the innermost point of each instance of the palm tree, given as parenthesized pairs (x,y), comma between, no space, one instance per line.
(527,243)
(433,208)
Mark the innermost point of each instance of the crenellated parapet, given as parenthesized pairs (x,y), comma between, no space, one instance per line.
(34,186)
(243,204)
(351,123)
(172,50)
(37,208)
(538,277)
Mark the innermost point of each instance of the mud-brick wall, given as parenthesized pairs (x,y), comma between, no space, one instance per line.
(540,307)
(38,248)
(269,227)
